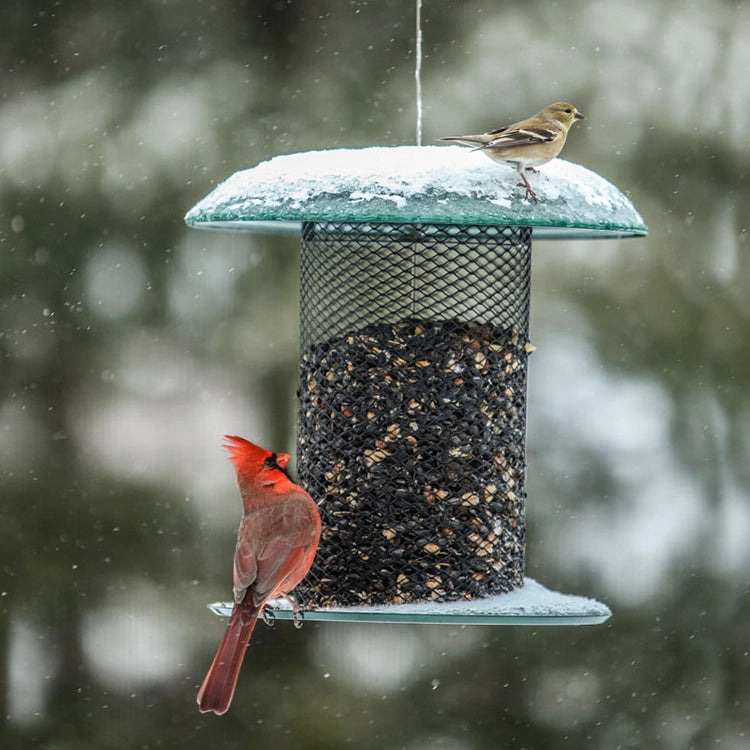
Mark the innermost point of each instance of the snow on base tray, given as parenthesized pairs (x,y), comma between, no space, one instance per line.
(423,184)
(532,604)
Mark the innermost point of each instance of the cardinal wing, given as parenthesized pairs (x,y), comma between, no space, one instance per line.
(275,549)
(245,559)
(280,572)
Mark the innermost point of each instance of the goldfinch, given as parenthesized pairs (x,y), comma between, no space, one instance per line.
(526,144)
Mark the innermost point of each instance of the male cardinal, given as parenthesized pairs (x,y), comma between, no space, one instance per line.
(276,544)
(526,144)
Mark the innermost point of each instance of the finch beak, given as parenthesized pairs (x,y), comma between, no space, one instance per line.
(578,116)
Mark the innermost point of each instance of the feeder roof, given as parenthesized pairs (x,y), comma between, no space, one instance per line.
(416,184)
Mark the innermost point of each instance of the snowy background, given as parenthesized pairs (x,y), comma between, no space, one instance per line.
(129,344)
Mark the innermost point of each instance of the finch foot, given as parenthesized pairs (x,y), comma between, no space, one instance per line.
(529,192)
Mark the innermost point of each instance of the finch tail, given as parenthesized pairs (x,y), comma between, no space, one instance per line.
(477,141)
(218,688)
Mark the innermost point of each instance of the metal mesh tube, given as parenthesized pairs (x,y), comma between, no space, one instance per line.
(412,409)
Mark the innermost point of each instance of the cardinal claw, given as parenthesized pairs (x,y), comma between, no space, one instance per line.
(295,611)
(268,617)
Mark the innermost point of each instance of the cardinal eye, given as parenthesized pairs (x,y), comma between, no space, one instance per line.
(270,462)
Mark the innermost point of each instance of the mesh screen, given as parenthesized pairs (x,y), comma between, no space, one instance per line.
(412,409)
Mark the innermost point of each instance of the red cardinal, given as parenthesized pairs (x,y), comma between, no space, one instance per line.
(276,544)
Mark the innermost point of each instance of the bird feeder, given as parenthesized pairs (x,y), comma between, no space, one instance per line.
(415,286)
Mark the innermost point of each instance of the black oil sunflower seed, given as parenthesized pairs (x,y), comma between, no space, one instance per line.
(412,439)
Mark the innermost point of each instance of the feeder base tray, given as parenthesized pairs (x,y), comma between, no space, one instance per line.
(532,604)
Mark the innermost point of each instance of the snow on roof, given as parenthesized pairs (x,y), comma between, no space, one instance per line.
(406,184)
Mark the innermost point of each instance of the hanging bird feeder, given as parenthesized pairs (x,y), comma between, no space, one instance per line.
(414,341)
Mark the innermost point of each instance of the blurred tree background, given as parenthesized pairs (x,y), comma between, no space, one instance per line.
(130,344)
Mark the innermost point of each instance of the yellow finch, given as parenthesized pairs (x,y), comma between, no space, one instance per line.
(526,144)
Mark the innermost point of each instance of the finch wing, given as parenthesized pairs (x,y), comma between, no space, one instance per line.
(511,137)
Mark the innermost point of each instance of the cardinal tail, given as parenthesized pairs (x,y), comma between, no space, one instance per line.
(218,688)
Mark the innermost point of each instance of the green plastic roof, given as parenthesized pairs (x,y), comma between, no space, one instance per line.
(416,184)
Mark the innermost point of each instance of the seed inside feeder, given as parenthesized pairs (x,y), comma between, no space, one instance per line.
(411,437)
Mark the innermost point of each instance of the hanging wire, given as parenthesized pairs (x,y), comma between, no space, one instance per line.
(418,72)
